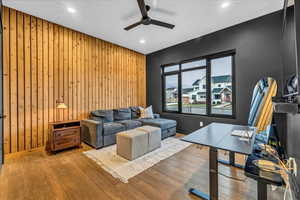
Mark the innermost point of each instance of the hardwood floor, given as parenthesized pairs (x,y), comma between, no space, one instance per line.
(71,175)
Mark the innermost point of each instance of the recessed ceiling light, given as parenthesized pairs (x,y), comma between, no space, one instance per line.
(142,41)
(71,10)
(225,4)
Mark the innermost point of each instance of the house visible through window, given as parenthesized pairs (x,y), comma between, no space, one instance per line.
(192,93)
(221,76)
(187,89)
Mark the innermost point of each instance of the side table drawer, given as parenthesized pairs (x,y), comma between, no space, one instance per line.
(66,142)
(66,133)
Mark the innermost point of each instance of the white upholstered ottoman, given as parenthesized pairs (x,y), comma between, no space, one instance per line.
(154,136)
(132,144)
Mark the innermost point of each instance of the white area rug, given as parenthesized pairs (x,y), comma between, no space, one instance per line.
(123,169)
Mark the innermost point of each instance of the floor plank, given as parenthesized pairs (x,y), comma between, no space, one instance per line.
(71,175)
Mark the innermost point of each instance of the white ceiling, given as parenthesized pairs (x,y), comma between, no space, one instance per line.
(106,19)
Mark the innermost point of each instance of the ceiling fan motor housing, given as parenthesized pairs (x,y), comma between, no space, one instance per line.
(146,20)
(148,8)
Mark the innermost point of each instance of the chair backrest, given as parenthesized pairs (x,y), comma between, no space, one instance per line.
(261,110)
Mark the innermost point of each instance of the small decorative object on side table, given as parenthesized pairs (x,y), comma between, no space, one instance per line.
(63,135)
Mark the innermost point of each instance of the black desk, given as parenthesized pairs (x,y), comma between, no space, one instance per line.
(218,136)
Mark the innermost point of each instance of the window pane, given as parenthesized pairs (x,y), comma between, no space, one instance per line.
(221,86)
(197,63)
(194,91)
(171,92)
(172,68)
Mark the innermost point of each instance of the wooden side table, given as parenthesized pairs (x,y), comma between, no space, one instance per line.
(63,135)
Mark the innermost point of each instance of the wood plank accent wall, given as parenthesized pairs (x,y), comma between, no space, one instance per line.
(44,61)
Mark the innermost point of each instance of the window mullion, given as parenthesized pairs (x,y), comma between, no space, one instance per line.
(163,93)
(179,90)
(233,85)
(208,88)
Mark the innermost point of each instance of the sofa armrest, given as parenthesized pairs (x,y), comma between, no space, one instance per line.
(155,115)
(91,132)
(94,118)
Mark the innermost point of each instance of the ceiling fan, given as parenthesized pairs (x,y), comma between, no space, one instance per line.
(146,20)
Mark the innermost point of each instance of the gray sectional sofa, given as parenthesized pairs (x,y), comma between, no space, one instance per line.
(102,126)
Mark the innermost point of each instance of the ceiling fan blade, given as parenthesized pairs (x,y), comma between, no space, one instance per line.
(132,26)
(163,24)
(142,7)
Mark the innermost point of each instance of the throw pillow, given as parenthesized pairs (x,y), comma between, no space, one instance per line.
(135,112)
(147,112)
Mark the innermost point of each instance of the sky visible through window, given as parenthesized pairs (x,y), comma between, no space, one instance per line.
(189,77)
(221,66)
(171,82)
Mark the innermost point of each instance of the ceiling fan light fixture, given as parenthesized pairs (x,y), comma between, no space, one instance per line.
(225,4)
(71,10)
(142,41)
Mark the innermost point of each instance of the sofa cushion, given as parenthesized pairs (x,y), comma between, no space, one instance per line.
(135,112)
(122,114)
(168,132)
(112,128)
(105,115)
(159,122)
(156,115)
(130,124)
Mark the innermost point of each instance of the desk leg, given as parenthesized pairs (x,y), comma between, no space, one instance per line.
(213,173)
(261,191)
(213,177)
(231,161)
(231,158)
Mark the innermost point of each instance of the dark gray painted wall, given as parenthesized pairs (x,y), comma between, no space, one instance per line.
(297,23)
(293,138)
(293,121)
(258,55)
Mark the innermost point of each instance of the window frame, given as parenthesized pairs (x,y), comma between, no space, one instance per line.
(164,92)
(193,69)
(179,72)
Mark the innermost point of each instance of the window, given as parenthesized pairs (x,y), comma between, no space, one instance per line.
(188,90)
(221,85)
(172,68)
(192,97)
(197,63)
(217,96)
(171,92)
